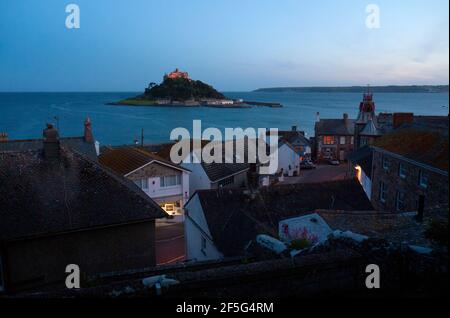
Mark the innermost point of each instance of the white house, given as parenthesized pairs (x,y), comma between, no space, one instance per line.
(204,176)
(166,183)
(288,160)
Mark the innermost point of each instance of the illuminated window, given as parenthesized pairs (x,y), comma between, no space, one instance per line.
(328,140)
(342,140)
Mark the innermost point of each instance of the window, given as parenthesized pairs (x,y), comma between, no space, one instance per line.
(386,164)
(400,204)
(328,140)
(203,245)
(142,183)
(342,140)
(383,192)
(352,140)
(170,181)
(423,179)
(226,181)
(402,171)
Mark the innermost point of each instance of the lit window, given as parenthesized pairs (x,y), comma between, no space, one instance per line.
(383,192)
(170,181)
(342,140)
(386,164)
(400,204)
(402,171)
(328,140)
(423,179)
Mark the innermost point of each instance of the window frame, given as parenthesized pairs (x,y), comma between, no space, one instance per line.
(329,140)
(423,175)
(382,192)
(402,171)
(397,200)
(163,181)
(385,163)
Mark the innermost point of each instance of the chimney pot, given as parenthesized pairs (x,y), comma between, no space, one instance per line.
(3,137)
(51,142)
(88,135)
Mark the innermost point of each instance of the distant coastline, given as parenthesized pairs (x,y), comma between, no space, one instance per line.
(359,89)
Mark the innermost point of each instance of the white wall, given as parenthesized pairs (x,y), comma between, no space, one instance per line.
(193,235)
(198,179)
(286,157)
(366,183)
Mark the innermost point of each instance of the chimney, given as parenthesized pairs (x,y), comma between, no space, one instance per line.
(402,118)
(317,117)
(3,137)
(294,128)
(421,208)
(51,142)
(88,135)
(345,117)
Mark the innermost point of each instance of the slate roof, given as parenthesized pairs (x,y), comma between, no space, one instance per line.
(214,171)
(128,159)
(40,196)
(363,157)
(419,143)
(76,143)
(335,127)
(293,136)
(235,217)
(393,227)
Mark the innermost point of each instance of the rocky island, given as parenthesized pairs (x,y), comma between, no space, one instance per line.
(177,89)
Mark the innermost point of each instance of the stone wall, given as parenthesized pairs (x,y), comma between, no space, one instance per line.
(436,194)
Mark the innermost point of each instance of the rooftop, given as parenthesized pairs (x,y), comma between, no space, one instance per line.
(39,196)
(420,143)
(335,127)
(236,217)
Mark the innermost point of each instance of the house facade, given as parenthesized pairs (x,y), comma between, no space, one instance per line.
(166,183)
(410,166)
(59,207)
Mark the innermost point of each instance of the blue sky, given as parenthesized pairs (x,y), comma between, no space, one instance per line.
(234,45)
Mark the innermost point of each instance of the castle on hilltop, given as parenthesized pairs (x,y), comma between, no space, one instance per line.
(176,74)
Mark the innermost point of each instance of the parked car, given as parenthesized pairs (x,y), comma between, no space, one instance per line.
(334,162)
(307,164)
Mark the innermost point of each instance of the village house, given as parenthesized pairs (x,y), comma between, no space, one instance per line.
(222,223)
(204,176)
(410,168)
(166,183)
(409,136)
(58,207)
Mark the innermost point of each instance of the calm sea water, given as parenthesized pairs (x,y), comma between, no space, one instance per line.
(23,115)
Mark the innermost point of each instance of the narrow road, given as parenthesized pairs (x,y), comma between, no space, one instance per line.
(170,246)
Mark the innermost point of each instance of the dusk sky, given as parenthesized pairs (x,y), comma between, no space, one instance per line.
(235,45)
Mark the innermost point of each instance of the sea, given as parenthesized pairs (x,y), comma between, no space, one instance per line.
(24,115)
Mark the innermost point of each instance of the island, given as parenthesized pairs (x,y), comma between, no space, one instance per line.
(178,89)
